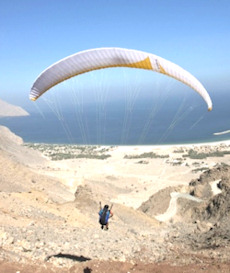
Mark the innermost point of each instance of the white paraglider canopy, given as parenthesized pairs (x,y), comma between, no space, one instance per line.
(100,58)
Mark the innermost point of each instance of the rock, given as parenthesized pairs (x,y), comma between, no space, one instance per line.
(5,238)
(204,226)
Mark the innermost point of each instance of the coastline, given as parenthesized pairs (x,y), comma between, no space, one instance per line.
(133,172)
(139,146)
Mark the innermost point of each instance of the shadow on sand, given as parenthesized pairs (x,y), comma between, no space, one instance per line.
(87,270)
(69,256)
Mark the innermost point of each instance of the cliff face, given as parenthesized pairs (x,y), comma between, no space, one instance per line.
(9,110)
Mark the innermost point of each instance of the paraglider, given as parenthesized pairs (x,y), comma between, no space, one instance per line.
(104,215)
(100,58)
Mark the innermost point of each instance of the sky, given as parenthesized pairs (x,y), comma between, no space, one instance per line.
(34,34)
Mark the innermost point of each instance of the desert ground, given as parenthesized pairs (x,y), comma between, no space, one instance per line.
(171,207)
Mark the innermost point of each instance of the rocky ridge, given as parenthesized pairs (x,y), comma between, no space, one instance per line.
(9,110)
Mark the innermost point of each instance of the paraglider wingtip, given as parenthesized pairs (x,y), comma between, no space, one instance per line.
(33,99)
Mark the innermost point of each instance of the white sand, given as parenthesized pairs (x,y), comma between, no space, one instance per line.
(133,181)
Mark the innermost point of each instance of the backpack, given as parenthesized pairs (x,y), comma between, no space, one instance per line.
(104,216)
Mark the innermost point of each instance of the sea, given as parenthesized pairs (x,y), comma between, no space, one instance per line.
(121,122)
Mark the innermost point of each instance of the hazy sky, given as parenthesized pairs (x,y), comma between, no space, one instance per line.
(36,33)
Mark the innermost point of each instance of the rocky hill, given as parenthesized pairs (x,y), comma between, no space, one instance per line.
(9,110)
(45,227)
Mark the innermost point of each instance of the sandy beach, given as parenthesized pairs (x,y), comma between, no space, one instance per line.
(140,171)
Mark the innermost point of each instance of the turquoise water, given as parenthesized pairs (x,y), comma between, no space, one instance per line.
(118,123)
